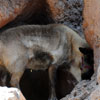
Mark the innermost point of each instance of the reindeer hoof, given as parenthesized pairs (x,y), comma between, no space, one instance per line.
(54,98)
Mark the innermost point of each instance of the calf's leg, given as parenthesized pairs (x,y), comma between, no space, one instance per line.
(52,78)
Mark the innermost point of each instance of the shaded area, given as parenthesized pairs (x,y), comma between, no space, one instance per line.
(87,63)
(30,12)
(27,11)
(35,84)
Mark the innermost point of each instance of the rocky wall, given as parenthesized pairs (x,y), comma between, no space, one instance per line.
(18,12)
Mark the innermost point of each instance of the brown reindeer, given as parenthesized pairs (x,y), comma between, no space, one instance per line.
(40,47)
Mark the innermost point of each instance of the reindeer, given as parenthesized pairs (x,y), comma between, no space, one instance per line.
(40,47)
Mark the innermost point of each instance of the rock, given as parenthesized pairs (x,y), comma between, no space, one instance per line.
(18,12)
(83,90)
(10,94)
(91,22)
(57,8)
(92,30)
(29,11)
(72,15)
(9,10)
(95,95)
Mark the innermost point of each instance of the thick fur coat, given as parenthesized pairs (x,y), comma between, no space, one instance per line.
(45,46)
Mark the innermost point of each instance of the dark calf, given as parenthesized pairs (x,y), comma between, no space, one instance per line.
(87,63)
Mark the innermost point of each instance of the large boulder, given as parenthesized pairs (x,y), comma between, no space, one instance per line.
(18,12)
(10,94)
(85,90)
(92,30)
(72,15)
(91,21)
(29,11)
(10,9)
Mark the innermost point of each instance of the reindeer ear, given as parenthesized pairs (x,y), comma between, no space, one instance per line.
(86,51)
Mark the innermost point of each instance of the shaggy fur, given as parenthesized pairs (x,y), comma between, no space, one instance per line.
(46,46)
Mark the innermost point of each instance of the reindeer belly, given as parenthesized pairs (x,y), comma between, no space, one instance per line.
(37,65)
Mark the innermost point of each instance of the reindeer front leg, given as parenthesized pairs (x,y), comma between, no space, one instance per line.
(52,78)
(18,69)
(15,79)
